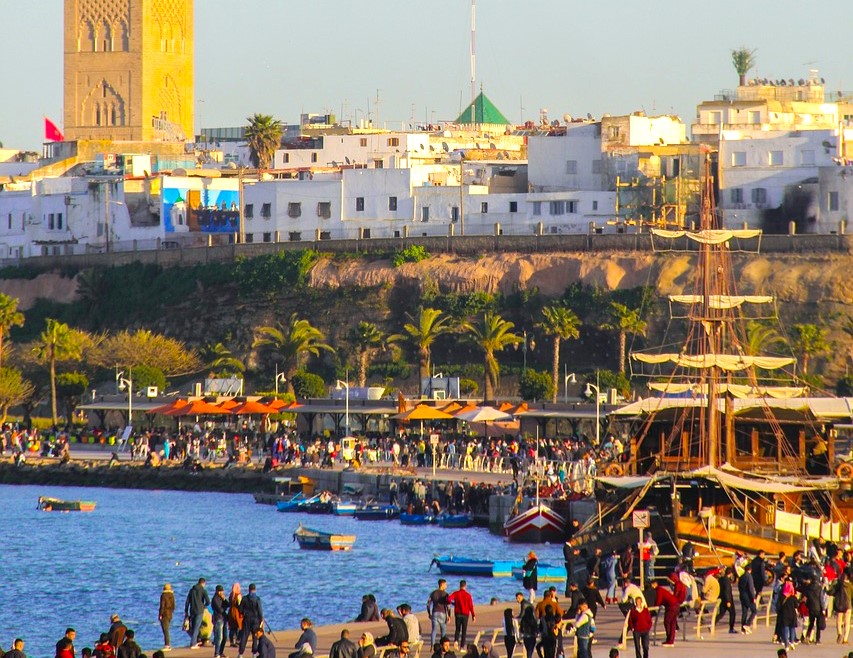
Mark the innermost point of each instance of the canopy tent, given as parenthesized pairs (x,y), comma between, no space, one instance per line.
(252,408)
(171,406)
(485,414)
(423,412)
(198,408)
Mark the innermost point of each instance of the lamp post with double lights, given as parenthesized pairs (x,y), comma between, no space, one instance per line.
(345,384)
(127,383)
(589,389)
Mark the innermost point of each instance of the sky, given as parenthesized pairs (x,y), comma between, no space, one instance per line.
(283,57)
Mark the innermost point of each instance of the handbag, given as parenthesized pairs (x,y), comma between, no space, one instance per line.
(186,625)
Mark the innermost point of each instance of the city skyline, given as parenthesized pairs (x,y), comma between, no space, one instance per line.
(574,60)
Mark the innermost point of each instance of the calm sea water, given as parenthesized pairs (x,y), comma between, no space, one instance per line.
(77,569)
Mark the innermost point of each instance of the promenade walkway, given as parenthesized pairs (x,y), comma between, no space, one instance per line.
(609,624)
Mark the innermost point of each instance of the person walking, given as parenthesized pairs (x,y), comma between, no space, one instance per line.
(843,592)
(235,616)
(437,608)
(511,632)
(463,608)
(584,630)
(197,600)
(253,619)
(788,614)
(220,621)
(746,590)
(165,614)
(528,626)
(530,577)
(609,566)
(640,624)
(727,599)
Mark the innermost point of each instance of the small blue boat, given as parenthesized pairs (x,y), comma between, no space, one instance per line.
(377,512)
(416,519)
(463,566)
(455,520)
(342,508)
(549,573)
(293,504)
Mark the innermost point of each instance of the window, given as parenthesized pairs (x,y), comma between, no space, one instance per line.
(10,221)
(537,208)
(324,209)
(249,211)
(759,195)
(777,159)
(393,141)
(513,206)
(59,220)
(571,167)
(50,221)
(596,166)
(285,158)
(454,214)
(379,163)
(738,158)
(363,142)
(325,235)
(806,157)
(267,237)
(294,236)
(484,207)
(250,237)
(614,132)
(736,195)
(571,207)
(595,205)
(266,210)
(365,233)
(557,207)
(313,157)
(832,201)
(755,116)
(425,213)
(294,209)
(715,118)
(359,204)
(392,203)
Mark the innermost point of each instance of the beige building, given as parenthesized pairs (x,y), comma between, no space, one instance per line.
(129,70)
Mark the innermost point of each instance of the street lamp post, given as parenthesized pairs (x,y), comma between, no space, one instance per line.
(346,403)
(532,343)
(589,389)
(568,378)
(127,382)
(279,377)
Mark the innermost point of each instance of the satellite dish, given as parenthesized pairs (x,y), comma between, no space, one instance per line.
(567,118)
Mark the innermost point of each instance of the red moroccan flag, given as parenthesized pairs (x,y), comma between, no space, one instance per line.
(51,132)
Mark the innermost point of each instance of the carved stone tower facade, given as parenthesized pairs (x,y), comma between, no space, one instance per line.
(129,70)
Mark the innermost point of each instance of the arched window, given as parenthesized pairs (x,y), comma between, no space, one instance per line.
(97,114)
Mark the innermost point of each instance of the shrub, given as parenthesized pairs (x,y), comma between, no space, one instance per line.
(308,385)
(534,385)
(468,386)
(411,254)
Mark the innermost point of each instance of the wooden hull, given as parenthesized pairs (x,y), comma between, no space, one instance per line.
(538,525)
(56,505)
(727,540)
(317,540)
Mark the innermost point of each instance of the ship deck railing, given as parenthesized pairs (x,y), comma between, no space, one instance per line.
(757,530)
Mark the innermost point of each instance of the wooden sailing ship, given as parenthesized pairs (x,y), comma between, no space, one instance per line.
(730,450)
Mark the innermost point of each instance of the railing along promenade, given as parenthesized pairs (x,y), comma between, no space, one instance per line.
(467,245)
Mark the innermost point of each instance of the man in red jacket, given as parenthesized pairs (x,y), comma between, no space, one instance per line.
(667,599)
(463,607)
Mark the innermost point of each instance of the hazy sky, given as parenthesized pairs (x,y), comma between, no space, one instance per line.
(282,57)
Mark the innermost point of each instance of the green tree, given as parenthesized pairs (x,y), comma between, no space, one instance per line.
(762,338)
(144,376)
(491,334)
(10,317)
(263,135)
(221,360)
(58,342)
(14,390)
(624,321)
(367,339)
(287,342)
(563,324)
(129,350)
(421,333)
(308,385)
(743,59)
(70,387)
(535,385)
(809,340)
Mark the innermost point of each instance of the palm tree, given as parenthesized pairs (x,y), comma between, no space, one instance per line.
(58,342)
(286,342)
(367,338)
(762,338)
(421,333)
(624,321)
(263,135)
(562,323)
(219,358)
(809,340)
(10,317)
(492,335)
(743,59)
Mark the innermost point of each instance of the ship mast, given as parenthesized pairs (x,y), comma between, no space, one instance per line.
(710,316)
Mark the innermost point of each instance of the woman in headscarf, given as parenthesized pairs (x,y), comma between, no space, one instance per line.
(640,623)
(167,609)
(788,614)
(366,648)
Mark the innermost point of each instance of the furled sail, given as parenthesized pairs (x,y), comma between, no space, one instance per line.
(722,302)
(728,362)
(735,390)
(708,236)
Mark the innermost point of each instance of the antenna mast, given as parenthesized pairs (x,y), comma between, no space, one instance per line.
(473,51)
